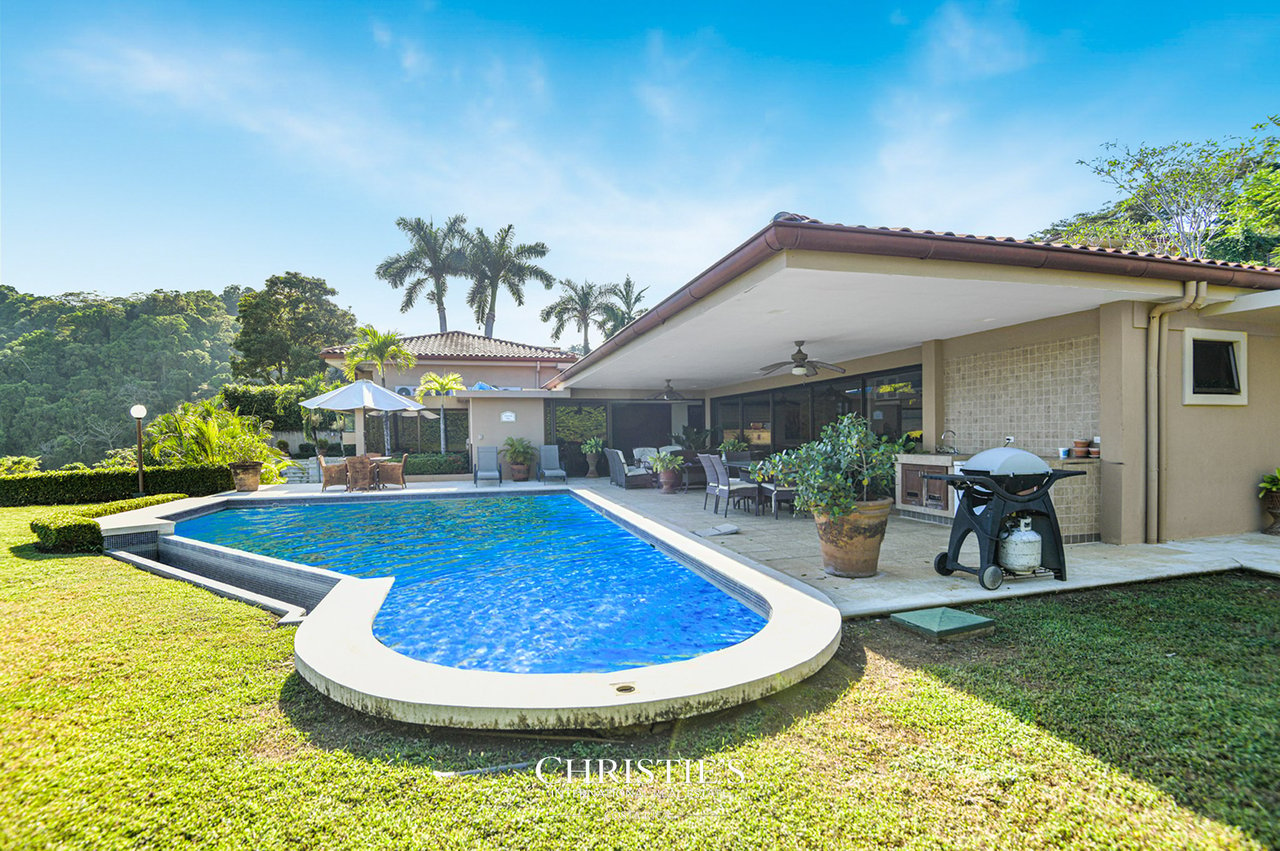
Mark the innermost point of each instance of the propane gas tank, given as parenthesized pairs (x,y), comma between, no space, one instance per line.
(1020,548)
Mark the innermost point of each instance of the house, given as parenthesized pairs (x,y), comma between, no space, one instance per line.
(1174,363)
(505,377)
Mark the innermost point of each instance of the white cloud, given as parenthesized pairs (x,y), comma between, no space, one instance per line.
(961,46)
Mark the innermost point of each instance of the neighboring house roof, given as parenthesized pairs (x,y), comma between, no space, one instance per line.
(460,345)
(792,232)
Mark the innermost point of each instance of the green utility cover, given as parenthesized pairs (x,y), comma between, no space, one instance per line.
(943,623)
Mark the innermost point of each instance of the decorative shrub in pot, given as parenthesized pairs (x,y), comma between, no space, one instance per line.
(845,479)
(591,449)
(667,466)
(519,452)
(1269,493)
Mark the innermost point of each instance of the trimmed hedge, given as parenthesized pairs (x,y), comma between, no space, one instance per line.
(75,531)
(69,487)
(435,464)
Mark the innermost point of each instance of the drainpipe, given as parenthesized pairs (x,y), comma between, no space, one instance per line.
(1193,296)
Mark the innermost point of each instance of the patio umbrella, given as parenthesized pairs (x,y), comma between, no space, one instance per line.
(365,396)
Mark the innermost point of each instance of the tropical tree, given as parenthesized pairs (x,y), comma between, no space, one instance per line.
(582,304)
(381,348)
(283,327)
(1214,199)
(206,433)
(436,254)
(433,384)
(623,306)
(494,264)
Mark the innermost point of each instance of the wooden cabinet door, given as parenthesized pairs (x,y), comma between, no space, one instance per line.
(937,494)
(913,484)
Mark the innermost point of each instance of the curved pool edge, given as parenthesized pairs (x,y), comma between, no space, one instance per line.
(336,652)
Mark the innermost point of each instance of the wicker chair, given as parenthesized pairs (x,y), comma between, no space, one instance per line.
(359,473)
(626,477)
(331,474)
(392,472)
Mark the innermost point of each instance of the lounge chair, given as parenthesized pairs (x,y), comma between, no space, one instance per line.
(334,473)
(671,448)
(487,466)
(642,454)
(359,473)
(549,465)
(624,476)
(391,472)
(731,489)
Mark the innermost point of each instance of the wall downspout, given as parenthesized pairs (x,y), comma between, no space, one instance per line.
(1193,294)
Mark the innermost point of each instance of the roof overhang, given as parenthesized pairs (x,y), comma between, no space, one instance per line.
(855,292)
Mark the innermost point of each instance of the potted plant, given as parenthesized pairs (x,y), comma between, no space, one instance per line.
(734,444)
(1269,493)
(519,452)
(591,448)
(845,480)
(667,466)
(246,462)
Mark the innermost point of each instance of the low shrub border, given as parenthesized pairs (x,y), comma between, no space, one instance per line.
(435,464)
(75,531)
(71,487)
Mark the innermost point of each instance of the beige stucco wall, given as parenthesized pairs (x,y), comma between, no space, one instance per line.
(487,428)
(1217,453)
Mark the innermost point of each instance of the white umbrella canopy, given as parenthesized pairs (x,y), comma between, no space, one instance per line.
(364,395)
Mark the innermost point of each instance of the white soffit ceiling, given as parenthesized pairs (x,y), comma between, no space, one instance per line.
(840,316)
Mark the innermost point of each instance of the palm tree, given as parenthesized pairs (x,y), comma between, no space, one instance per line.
(436,254)
(381,348)
(623,306)
(495,264)
(583,304)
(439,385)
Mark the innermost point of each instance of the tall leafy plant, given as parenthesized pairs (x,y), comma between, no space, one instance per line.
(200,433)
(497,263)
(847,464)
(435,255)
(382,349)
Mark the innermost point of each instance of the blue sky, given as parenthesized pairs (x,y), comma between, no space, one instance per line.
(193,144)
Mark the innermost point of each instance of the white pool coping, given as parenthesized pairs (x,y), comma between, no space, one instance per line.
(336,652)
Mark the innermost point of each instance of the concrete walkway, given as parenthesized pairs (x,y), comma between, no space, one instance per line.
(906,579)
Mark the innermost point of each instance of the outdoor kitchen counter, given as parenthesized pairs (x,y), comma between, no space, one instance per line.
(1076,500)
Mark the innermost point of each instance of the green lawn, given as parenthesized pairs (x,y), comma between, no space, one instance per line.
(140,712)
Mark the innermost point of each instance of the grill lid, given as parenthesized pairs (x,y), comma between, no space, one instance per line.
(1006,461)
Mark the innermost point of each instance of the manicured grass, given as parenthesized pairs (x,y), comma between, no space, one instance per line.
(136,711)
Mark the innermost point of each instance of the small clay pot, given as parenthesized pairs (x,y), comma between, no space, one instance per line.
(1079,452)
(1095,451)
(1082,444)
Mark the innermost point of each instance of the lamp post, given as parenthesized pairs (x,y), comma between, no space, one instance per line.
(138,412)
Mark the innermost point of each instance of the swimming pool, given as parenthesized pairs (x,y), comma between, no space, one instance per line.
(515,584)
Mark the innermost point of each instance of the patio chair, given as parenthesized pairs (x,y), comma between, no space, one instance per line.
(671,448)
(359,473)
(713,481)
(733,490)
(642,454)
(487,466)
(549,465)
(391,472)
(624,476)
(333,473)
(777,496)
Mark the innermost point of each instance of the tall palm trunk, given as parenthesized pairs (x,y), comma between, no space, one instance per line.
(488,324)
(442,430)
(586,344)
(444,326)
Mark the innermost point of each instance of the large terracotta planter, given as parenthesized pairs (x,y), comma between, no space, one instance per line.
(592,458)
(670,479)
(1271,504)
(247,475)
(519,472)
(851,544)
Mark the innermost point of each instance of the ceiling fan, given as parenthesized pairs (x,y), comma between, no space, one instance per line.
(800,364)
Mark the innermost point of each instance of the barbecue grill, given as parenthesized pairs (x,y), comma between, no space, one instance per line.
(991,487)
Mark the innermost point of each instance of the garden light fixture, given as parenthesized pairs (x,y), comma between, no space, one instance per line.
(138,412)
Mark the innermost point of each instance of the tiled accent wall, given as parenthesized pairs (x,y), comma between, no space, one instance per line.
(1044,394)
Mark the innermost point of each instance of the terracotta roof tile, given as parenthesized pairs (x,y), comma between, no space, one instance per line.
(794,218)
(460,345)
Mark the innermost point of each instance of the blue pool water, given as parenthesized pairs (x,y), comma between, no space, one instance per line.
(528,584)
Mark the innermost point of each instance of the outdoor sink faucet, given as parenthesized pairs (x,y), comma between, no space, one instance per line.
(942,441)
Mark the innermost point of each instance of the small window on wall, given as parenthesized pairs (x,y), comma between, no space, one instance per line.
(1215,367)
